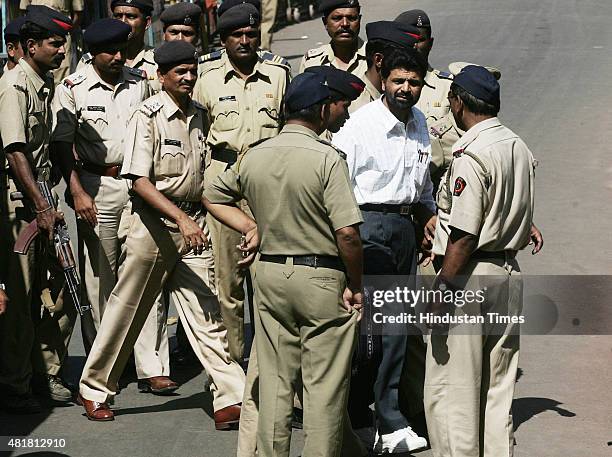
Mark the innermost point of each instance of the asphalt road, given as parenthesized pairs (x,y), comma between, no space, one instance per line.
(555,60)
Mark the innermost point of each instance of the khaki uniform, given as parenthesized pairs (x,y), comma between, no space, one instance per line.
(298,188)
(268,18)
(324,55)
(171,150)
(369,94)
(433,101)
(470,376)
(443,134)
(30,341)
(93,116)
(68,8)
(241,114)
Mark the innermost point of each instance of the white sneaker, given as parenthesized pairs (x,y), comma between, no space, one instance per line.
(403,440)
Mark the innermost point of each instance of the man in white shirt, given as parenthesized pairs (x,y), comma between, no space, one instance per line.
(388,153)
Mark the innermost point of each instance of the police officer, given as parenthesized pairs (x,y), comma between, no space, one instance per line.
(165,156)
(242,93)
(268,18)
(297,187)
(342,20)
(74,10)
(479,232)
(31,342)
(181,21)
(14,51)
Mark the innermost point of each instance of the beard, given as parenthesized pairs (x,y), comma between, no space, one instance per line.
(405,103)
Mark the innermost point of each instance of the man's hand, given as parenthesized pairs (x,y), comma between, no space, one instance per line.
(85,207)
(429,229)
(194,237)
(536,239)
(3,301)
(353,301)
(426,258)
(46,221)
(248,246)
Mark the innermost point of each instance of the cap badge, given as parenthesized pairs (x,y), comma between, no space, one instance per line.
(187,21)
(419,21)
(351,2)
(251,19)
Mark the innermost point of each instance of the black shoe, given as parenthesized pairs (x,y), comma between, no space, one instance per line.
(52,387)
(20,404)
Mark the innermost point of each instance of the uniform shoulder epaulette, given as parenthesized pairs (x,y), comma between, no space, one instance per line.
(439,128)
(87,57)
(137,72)
(273,59)
(443,74)
(340,152)
(74,79)
(314,52)
(151,107)
(211,56)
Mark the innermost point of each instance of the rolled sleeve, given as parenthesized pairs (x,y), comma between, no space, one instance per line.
(338,196)
(64,115)
(13,116)
(139,147)
(469,196)
(225,189)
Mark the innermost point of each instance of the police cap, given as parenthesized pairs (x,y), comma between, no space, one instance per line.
(479,82)
(49,19)
(305,90)
(456,67)
(346,84)
(183,13)
(416,18)
(395,32)
(175,52)
(106,31)
(243,15)
(11,31)
(327,6)
(146,6)
(227,4)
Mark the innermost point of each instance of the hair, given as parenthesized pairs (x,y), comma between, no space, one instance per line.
(475,105)
(311,114)
(406,59)
(376,46)
(31,31)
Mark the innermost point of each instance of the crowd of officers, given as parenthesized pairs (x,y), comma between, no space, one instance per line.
(191,175)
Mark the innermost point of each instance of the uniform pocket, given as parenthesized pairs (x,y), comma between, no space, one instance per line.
(93,124)
(172,162)
(268,114)
(36,127)
(326,286)
(227,115)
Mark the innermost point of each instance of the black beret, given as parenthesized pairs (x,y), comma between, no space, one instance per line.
(395,32)
(227,4)
(416,18)
(146,6)
(49,19)
(305,90)
(479,82)
(175,52)
(243,15)
(327,6)
(11,31)
(183,13)
(106,31)
(347,84)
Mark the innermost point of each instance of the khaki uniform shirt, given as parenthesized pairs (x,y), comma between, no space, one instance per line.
(241,112)
(64,6)
(93,115)
(433,101)
(443,134)
(167,147)
(25,114)
(324,55)
(298,188)
(209,59)
(369,94)
(488,190)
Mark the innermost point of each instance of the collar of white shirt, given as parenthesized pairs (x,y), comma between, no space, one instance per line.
(388,119)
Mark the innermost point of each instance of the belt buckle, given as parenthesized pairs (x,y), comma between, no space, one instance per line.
(405,210)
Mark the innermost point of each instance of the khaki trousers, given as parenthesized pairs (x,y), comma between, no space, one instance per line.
(470,378)
(303,329)
(229,277)
(153,260)
(268,18)
(99,263)
(35,330)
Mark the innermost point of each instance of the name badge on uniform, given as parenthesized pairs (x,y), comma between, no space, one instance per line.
(269,95)
(437,104)
(227,98)
(169,142)
(96,108)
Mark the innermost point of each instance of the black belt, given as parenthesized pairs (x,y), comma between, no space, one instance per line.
(188,207)
(225,155)
(315,261)
(404,210)
(112,171)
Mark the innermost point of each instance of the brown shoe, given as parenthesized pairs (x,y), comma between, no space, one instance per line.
(158,385)
(228,417)
(96,411)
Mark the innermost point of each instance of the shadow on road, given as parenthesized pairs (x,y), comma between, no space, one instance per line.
(202,400)
(524,409)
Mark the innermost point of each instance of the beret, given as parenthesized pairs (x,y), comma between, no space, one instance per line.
(479,82)
(12,29)
(227,4)
(305,90)
(326,6)
(456,67)
(146,6)
(347,84)
(49,19)
(183,13)
(175,52)
(395,32)
(243,15)
(416,18)
(106,31)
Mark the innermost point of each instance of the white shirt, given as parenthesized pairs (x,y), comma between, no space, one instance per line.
(388,160)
